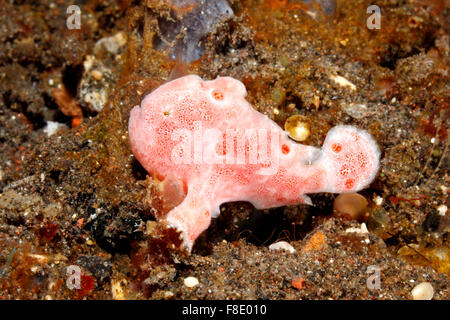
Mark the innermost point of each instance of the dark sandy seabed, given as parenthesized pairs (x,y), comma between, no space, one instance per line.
(76,196)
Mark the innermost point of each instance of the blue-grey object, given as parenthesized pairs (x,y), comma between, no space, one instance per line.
(328,6)
(184,34)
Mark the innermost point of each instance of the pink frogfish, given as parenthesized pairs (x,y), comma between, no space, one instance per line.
(205,135)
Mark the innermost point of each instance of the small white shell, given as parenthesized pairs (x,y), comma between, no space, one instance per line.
(343,82)
(442,209)
(282,245)
(361,230)
(191,282)
(423,291)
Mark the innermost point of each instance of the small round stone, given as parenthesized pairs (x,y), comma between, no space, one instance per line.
(97,75)
(191,282)
(423,291)
(350,205)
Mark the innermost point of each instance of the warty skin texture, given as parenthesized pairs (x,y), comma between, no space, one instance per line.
(205,135)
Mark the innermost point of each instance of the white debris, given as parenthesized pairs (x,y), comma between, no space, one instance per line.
(361,230)
(378,200)
(423,291)
(100,74)
(312,14)
(88,62)
(96,99)
(191,282)
(52,127)
(282,245)
(94,94)
(41,258)
(442,209)
(111,44)
(355,110)
(343,82)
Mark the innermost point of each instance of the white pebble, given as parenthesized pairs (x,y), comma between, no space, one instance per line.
(343,82)
(364,228)
(361,230)
(442,209)
(282,245)
(52,127)
(355,110)
(423,291)
(191,282)
(378,200)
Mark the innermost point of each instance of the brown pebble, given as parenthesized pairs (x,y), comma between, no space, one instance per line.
(352,206)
